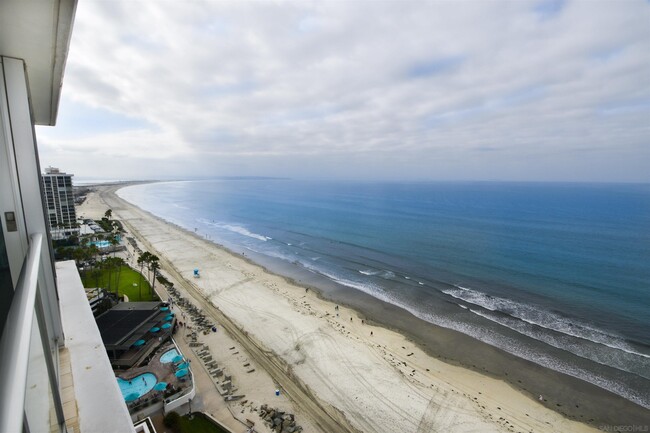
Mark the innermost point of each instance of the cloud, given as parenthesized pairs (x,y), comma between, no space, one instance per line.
(352,89)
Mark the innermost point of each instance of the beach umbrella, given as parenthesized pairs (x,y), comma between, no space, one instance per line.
(164,309)
(138,343)
(181,373)
(155,329)
(177,358)
(160,386)
(169,316)
(132,396)
(182,365)
(166,326)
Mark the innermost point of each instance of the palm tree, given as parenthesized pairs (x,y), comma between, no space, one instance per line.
(141,264)
(79,254)
(155,265)
(93,251)
(143,260)
(118,262)
(114,243)
(107,265)
(108,214)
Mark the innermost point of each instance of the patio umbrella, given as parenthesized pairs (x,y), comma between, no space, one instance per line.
(166,326)
(169,317)
(160,386)
(132,396)
(138,343)
(181,373)
(182,365)
(155,329)
(177,358)
(164,309)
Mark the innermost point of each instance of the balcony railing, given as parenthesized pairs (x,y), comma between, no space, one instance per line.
(20,356)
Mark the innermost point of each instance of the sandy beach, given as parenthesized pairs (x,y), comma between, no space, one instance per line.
(338,367)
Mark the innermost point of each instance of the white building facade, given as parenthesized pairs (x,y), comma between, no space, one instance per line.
(59,201)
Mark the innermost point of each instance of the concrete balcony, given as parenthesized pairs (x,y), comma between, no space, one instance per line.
(91,397)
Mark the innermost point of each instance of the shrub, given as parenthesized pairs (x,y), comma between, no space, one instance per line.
(173,421)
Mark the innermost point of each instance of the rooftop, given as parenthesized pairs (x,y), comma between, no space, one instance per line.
(125,320)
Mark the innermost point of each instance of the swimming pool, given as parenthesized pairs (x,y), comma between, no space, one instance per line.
(168,356)
(103,243)
(139,385)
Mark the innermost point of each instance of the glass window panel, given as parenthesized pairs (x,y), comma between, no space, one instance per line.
(39,404)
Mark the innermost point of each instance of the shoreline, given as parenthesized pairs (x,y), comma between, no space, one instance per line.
(563,394)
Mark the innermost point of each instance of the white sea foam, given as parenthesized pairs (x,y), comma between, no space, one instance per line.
(369,272)
(236,229)
(387,275)
(596,352)
(546,319)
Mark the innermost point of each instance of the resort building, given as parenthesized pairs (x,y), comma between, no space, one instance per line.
(55,375)
(132,331)
(59,200)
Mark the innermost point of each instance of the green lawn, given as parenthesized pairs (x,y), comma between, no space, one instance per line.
(199,424)
(128,277)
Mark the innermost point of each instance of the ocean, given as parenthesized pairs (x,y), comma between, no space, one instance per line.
(558,274)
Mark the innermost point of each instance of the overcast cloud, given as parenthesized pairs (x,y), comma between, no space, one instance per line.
(441,90)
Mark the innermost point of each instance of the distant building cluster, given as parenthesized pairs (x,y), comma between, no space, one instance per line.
(59,201)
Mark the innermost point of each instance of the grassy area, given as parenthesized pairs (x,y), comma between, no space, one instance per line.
(128,277)
(199,424)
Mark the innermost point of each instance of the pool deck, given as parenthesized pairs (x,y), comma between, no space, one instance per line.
(164,372)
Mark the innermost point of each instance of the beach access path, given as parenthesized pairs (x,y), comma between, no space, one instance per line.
(336,373)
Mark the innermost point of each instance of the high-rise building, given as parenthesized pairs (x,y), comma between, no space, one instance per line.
(55,375)
(59,201)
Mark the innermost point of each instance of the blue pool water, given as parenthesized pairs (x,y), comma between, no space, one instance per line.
(103,243)
(168,356)
(140,385)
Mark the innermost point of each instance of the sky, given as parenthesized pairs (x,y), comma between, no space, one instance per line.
(545,90)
